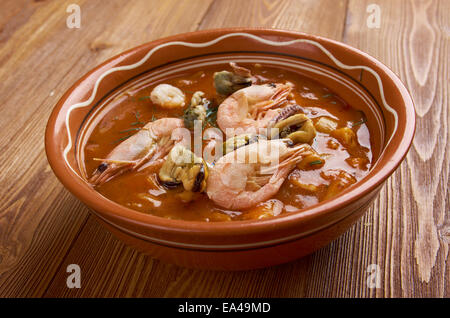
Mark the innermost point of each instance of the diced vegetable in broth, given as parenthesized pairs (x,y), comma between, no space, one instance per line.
(326,125)
(325,144)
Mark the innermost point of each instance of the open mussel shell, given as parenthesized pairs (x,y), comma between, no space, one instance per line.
(183,167)
(200,178)
(197,110)
(226,83)
(298,128)
(171,184)
(233,143)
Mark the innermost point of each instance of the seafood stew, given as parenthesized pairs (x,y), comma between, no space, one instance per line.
(227,142)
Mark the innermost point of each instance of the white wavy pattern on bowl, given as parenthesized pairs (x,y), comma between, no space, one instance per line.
(212,42)
(155,76)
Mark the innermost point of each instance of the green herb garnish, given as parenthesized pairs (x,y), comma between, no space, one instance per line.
(362,121)
(144,97)
(130,129)
(211,116)
(316,162)
(327,95)
(121,139)
(137,123)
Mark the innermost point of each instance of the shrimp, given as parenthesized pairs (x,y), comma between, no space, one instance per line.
(252,107)
(254,173)
(151,143)
(167,96)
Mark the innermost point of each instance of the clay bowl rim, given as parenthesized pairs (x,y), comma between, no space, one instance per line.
(369,183)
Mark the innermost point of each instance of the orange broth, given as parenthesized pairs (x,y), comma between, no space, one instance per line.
(140,190)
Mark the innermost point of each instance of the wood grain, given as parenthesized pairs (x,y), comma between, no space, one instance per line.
(43,228)
(35,209)
(417,217)
(300,15)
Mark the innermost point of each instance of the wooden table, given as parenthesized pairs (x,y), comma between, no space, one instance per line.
(43,228)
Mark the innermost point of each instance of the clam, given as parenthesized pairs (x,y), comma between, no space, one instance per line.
(298,128)
(183,167)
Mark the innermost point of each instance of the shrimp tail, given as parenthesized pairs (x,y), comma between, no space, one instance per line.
(241,71)
(106,171)
(248,199)
(278,98)
(114,169)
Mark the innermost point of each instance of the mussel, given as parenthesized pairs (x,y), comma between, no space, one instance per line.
(183,167)
(226,83)
(233,143)
(196,110)
(298,128)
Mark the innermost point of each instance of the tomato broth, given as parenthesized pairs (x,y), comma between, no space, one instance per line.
(342,141)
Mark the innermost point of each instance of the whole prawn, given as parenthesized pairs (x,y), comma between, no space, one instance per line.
(252,107)
(151,143)
(252,174)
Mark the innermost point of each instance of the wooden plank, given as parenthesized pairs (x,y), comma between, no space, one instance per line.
(314,17)
(40,58)
(111,269)
(43,228)
(414,219)
(13,15)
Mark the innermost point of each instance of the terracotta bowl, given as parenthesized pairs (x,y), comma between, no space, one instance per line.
(357,77)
